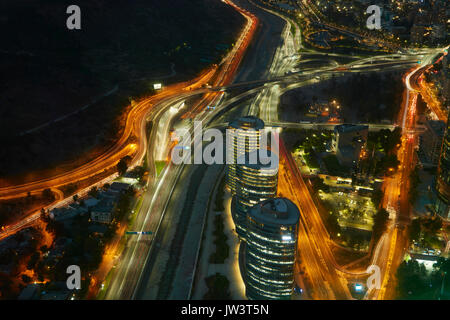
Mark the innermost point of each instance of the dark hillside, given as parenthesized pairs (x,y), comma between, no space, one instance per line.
(48,71)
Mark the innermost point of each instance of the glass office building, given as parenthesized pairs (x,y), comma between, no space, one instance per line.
(272,227)
(257,180)
(443,177)
(243,136)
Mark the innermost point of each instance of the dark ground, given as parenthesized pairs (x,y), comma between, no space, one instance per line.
(371,98)
(48,71)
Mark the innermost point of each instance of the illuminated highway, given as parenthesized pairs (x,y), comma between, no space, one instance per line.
(214,88)
(392,246)
(136,261)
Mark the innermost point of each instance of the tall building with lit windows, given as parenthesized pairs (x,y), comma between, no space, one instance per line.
(443,177)
(243,135)
(272,227)
(257,180)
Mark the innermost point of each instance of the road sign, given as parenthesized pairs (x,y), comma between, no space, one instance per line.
(139,232)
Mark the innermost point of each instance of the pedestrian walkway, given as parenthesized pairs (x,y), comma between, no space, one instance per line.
(230,267)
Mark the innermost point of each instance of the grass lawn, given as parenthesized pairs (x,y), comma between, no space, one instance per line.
(160,164)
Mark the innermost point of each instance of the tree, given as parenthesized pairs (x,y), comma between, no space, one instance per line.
(377,196)
(44,249)
(26,278)
(93,192)
(122,165)
(411,280)
(432,224)
(139,171)
(414,230)
(333,224)
(380,220)
(425,230)
(75,197)
(33,260)
(319,184)
(218,287)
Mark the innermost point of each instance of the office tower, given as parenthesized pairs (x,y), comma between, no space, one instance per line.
(271,249)
(443,177)
(243,135)
(257,180)
(431,141)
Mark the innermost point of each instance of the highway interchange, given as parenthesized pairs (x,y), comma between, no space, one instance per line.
(259,94)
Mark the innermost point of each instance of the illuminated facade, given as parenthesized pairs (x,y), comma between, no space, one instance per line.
(443,178)
(243,135)
(255,182)
(272,227)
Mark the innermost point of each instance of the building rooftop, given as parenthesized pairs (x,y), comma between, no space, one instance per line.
(119,186)
(91,202)
(105,205)
(280,211)
(30,292)
(437,126)
(247,122)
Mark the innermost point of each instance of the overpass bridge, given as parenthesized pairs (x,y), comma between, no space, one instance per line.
(312,126)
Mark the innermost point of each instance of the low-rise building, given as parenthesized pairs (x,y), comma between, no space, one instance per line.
(118,187)
(30,292)
(103,212)
(66,213)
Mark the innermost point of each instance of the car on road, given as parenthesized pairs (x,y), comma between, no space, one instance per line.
(298,290)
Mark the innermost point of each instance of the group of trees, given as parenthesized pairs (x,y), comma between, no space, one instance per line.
(334,167)
(312,143)
(218,288)
(415,282)
(367,98)
(83,248)
(124,203)
(424,230)
(122,165)
(218,203)
(380,220)
(220,241)
(381,148)
(332,224)
(377,197)
(385,140)
(319,184)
